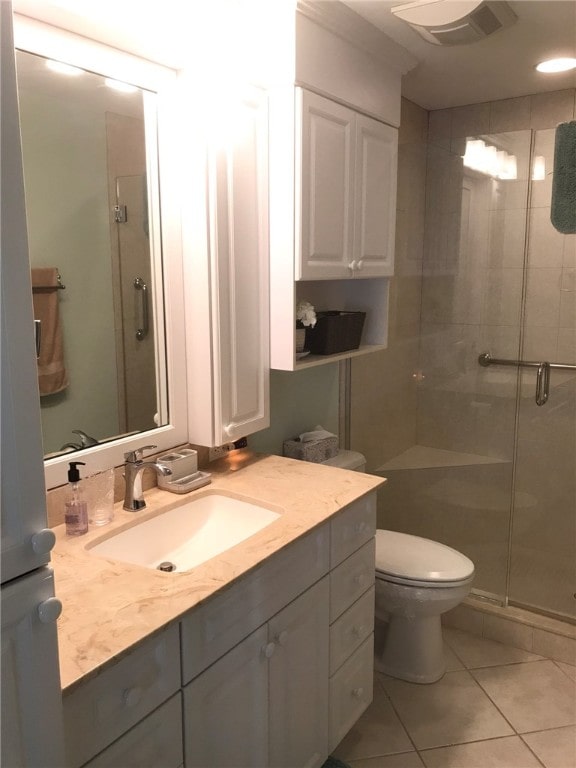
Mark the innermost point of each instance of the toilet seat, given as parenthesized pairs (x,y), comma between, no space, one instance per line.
(412,560)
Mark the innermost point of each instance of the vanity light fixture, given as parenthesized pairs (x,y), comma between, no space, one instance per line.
(488,159)
(63,69)
(118,85)
(556,65)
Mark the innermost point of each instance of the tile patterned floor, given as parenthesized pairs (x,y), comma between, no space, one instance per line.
(496,707)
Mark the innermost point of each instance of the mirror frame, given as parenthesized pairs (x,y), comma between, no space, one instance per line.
(42,39)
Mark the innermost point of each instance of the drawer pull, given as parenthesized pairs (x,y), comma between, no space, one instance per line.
(358,630)
(358,693)
(132,696)
(282,637)
(360,527)
(268,650)
(360,579)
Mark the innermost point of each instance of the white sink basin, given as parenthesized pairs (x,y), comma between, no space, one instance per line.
(188,534)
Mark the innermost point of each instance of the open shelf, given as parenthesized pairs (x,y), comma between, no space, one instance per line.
(310,361)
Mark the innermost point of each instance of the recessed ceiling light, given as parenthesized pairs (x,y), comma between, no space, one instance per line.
(63,69)
(556,65)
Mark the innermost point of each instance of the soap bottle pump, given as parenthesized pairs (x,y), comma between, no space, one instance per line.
(76,514)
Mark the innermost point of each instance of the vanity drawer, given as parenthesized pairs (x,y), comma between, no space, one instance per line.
(351,528)
(351,629)
(97,712)
(211,629)
(351,579)
(156,741)
(351,692)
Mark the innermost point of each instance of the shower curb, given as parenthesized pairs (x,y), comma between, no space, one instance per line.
(517,627)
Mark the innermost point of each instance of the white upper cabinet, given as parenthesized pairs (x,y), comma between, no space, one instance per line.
(227,291)
(346,165)
(375,197)
(326,170)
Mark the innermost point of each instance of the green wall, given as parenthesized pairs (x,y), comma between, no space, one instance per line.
(299,400)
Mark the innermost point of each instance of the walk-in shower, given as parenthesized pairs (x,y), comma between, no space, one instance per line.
(471,411)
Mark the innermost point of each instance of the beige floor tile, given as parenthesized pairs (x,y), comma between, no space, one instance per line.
(532,696)
(509,752)
(476,651)
(451,711)
(377,732)
(568,669)
(453,663)
(405,760)
(555,748)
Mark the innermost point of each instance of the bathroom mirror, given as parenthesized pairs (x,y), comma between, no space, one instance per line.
(87,142)
(105,259)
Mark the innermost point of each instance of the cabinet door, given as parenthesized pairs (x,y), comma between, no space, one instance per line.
(324,178)
(229,387)
(299,681)
(242,237)
(225,709)
(23,496)
(31,699)
(375,198)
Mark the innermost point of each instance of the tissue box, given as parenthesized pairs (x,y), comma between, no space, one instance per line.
(315,451)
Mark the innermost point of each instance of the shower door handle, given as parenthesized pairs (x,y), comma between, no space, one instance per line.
(542,383)
(141,286)
(542,372)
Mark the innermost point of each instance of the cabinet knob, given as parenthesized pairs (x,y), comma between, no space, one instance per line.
(49,610)
(360,579)
(228,430)
(359,265)
(268,650)
(357,693)
(131,696)
(43,541)
(282,637)
(352,265)
(360,527)
(358,630)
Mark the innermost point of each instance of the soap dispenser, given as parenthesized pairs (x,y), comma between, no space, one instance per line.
(76,514)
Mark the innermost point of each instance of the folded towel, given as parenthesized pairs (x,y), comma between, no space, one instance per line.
(563,208)
(52,376)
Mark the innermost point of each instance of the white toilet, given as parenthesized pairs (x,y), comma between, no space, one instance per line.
(417,580)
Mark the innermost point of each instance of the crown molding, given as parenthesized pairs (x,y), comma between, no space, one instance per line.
(348,25)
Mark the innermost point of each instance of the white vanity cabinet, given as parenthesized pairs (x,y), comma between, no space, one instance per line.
(346,175)
(226,276)
(268,695)
(270,672)
(105,707)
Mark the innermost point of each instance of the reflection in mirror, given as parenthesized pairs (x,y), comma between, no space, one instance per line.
(86,144)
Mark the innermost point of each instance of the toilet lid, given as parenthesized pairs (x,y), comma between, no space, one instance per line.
(412,557)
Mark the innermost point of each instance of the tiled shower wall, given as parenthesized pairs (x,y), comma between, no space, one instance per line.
(384,389)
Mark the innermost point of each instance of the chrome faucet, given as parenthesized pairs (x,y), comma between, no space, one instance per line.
(135,466)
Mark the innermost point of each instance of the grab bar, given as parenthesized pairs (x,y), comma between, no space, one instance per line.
(542,373)
(140,285)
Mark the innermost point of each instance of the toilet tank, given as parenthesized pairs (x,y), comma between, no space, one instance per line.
(348,460)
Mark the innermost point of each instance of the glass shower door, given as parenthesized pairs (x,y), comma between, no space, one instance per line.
(543,535)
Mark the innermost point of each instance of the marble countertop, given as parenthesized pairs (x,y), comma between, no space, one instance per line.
(110,606)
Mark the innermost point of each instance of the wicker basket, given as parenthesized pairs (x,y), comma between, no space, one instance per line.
(335,331)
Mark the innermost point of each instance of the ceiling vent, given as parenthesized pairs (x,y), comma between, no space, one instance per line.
(455,22)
